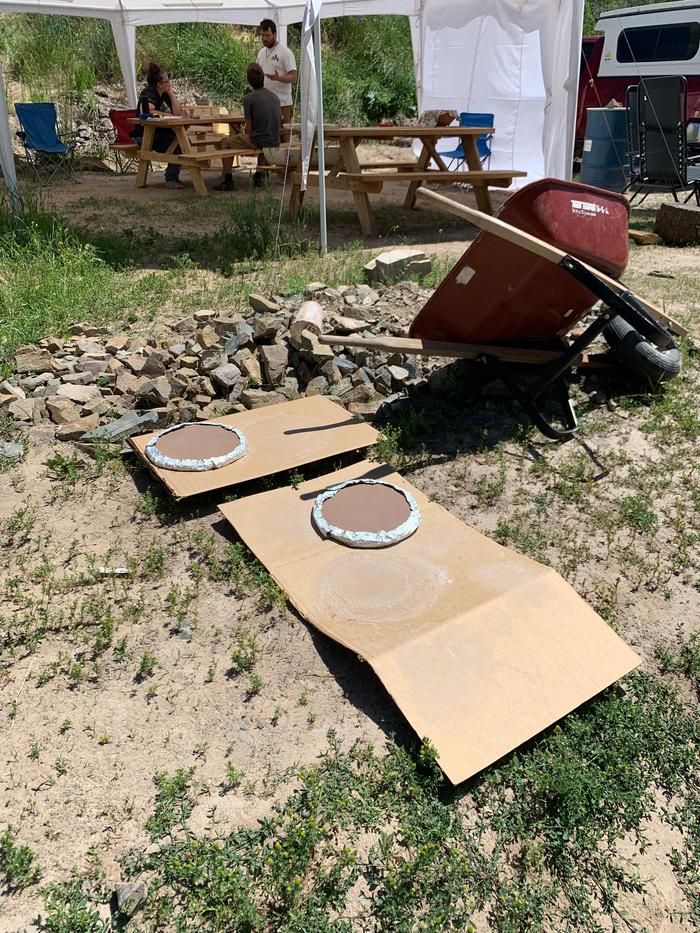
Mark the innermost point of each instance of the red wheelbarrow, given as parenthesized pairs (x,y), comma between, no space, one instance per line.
(516,294)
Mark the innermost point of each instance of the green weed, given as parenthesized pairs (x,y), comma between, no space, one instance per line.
(19,867)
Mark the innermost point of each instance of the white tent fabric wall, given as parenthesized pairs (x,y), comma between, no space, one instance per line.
(518,61)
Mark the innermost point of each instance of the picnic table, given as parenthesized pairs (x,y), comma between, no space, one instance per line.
(349,174)
(196,141)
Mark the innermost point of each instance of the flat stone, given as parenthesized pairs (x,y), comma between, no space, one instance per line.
(313,288)
(289,389)
(274,360)
(153,366)
(317,386)
(130,896)
(207,338)
(96,367)
(26,409)
(212,359)
(116,343)
(32,382)
(366,410)
(154,391)
(226,375)
(177,349)
(260,304)
(5,400)
(347,325)
(206,314)
(32,360)
(7,388)
(266,327)
(83,378)
(398,374)
(74,430)
(257,398)
(135,362)
(11,450)
(320,351)
(133,422)
(62,410)
(250,367)
(88,346)
(86,330)
(396,264)
(79,393)
(54,344)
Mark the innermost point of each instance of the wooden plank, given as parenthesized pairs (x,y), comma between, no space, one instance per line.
(434,175)
(359,183)
(466,351)
(408,166)
(540,248)
(412,132)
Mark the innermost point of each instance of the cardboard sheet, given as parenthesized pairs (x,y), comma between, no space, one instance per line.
(480,647)
(279,437)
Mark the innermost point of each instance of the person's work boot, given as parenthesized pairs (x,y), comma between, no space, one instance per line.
(174,184)
(225,184)
(258,179)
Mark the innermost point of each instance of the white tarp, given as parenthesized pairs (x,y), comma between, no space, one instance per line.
(516,60)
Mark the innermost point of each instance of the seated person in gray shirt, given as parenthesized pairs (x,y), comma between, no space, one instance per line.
(263,123)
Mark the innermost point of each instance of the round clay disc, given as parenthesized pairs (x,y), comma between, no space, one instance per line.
(196,446)
(366,513)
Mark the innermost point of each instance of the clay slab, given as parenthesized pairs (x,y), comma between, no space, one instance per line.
(480,647)
(279,437)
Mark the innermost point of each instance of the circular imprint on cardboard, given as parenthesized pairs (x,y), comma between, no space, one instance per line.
(196,446)
(363,588)
(366,513)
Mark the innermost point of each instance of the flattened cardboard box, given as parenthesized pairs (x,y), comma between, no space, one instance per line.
(480,647)
(279,437)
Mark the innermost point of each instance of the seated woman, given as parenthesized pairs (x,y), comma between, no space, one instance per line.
(159,97)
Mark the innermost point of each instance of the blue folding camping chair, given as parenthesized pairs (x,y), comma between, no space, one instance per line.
(482,141)
(45,151)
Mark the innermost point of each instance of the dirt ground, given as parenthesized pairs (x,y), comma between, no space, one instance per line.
(82,733)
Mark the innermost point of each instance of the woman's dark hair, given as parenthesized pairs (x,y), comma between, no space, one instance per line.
(255,76)
(155,74)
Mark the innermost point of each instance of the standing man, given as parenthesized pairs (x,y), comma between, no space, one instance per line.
(279,67)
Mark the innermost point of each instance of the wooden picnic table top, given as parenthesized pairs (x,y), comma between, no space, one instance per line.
(190,121)
(392,132)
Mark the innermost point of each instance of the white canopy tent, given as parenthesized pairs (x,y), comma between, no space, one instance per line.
(517,59)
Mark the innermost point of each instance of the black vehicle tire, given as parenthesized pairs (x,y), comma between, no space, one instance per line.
(641,354)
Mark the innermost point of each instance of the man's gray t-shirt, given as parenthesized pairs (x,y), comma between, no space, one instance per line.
(262,108)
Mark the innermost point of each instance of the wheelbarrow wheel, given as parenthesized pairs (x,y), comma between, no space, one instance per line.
(641,354)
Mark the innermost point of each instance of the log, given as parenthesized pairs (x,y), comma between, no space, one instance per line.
(678,224)
(308,317)
(644,237)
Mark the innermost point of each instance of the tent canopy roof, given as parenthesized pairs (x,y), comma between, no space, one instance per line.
(245,12)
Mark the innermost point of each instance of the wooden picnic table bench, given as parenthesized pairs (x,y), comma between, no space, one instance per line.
(350,174)
(191,154)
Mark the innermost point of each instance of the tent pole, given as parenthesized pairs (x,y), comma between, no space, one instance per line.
(7,160)
(320,137)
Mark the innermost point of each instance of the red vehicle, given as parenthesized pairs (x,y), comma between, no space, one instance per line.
(658,39)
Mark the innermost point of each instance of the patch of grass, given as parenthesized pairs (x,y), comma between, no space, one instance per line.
(531,844)
(69,908)
(174,802)
(687,659)
(19,866)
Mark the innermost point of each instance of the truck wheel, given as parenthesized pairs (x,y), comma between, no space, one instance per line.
(641,354)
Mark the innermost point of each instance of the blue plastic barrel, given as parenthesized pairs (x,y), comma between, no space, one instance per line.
(605,160)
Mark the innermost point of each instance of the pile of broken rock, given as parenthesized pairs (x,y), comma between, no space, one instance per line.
(93,386)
